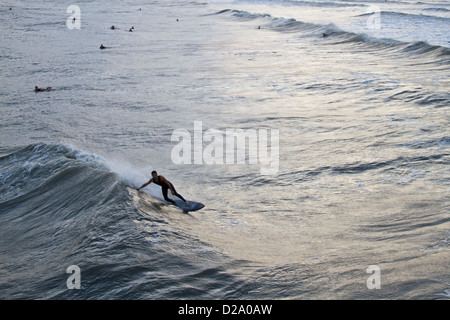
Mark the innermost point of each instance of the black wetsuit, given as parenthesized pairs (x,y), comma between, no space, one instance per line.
(165,187)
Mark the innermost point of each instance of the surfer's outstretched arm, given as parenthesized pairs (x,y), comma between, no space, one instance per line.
(145,184)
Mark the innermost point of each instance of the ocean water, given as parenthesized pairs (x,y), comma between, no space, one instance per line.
(358,92)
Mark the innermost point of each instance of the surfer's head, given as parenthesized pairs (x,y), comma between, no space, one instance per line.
(154,173)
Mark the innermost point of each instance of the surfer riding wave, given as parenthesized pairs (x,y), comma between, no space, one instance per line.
(165,186)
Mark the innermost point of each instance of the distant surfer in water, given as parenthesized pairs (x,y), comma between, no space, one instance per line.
(165,185)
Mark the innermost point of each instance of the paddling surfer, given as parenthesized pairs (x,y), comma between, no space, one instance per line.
(165,186)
